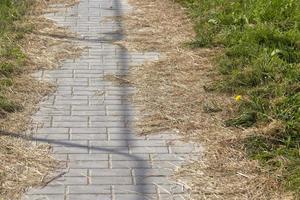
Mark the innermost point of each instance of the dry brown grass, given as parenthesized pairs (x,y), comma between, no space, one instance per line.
(23,164)
(174,92)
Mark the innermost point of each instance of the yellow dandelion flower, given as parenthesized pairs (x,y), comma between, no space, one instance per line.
(238,97)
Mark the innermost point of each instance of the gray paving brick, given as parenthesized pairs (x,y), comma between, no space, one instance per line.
(70,150)
(88,112)
(108,124)
(168,157)
(147,143)
(182,149)
(88,136)
(90,189)
(69,181)
(172,189)
(119,130)
(53,136)
(128,157)
(152,172)
(70,118)
(88,197)
(134,189)
(76,172)
(114,150)
(107,118)
(111,172)
(131,164)
(88,130)
(112,180)
(91,157)
(134,196)
(161,149)
(159,180)
(88,107)
(111,143)
(167,164)
(72,102)
(56,189)
(90,164)
(44,197)
(70,124)
(53,130)
(125,136)
(172,197)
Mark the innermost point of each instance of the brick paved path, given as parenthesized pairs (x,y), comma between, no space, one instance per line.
(88,120)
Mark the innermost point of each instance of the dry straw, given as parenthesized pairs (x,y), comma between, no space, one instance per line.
(173,91)
(23,164)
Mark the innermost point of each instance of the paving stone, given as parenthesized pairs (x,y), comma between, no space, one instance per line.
(158,180)
(110,172)
(161,149)
(88,120)
(70,124)
(109,124)
(70,118)
(56,189)
(44,197)
(88,136)
(152,172)
(52,130)
(53,136)
(165,164)
(171,189)
(125,136)
(88,112)
(169,157)
(77,172)
(132,189)
(90,157)
(130,157)
(88,197)
(69,150)
(172,197)
(90,189)
(87,164)
(112,180)
(69,181)
(131,164)
(112,150)
(111,143)
(88,130)
(134,197)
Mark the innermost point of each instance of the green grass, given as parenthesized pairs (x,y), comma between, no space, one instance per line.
(12,59)
(261,62)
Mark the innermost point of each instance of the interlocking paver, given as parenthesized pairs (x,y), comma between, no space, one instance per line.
(88,197)
(90,189)
(44,197)
(88,120)
(111,172)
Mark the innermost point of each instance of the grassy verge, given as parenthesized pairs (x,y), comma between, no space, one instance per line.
(261,67)
(26,45)
(12,58)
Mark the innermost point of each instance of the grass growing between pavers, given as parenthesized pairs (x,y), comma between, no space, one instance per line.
(261,66)
(25,46)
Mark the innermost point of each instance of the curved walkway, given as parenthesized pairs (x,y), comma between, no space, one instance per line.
(88,120)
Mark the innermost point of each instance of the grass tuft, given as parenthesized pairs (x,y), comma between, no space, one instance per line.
(12,58)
